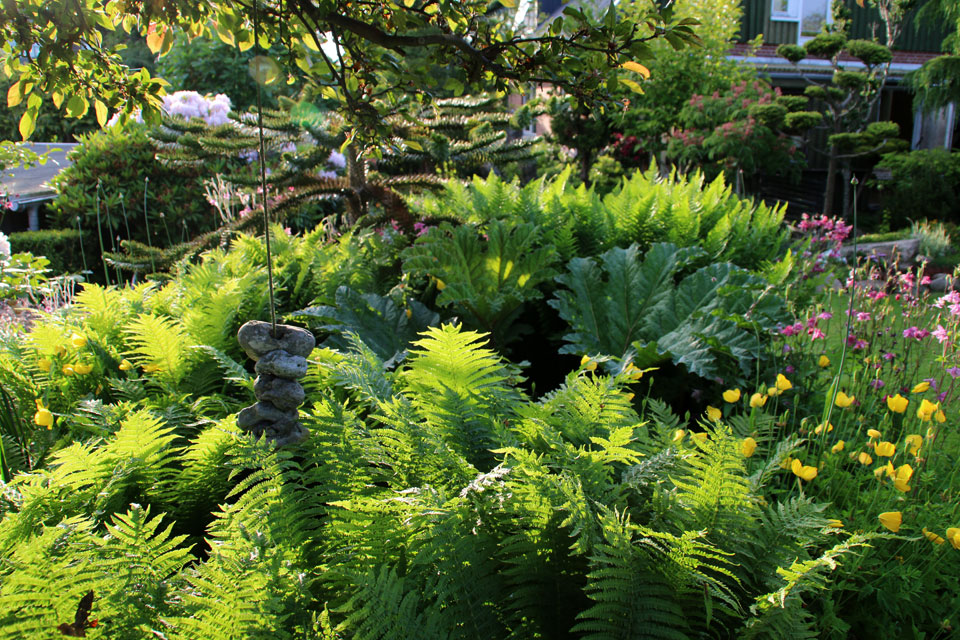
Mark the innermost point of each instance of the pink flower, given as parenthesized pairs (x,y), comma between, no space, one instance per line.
(826,315)
(925,280)
(941,334)
(815,333)
(862,316)
(954,372)
(877,384)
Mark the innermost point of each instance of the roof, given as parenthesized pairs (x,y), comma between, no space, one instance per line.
(766,58)
(26,186)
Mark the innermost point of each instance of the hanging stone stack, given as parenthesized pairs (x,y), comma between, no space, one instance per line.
(281,357)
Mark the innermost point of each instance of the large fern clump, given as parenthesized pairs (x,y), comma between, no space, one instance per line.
(434,499)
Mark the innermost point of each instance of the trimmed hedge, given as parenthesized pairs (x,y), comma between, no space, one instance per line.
(62,247)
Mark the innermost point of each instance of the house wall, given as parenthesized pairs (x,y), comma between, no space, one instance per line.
(756,20)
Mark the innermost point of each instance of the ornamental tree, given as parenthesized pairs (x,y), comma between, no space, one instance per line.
(367,56)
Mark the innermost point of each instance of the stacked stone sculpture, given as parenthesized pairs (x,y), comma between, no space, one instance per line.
(281,357)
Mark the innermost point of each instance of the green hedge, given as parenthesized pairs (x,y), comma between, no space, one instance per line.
(924,184)
(62,247)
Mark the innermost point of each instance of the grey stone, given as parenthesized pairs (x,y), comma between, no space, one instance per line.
(906,249)
(264,412)
(282,393)
(938,282)
(258,339)
(282,364)
(281,432)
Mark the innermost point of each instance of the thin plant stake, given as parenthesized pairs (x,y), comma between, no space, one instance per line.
(103,260)
(263,175)
(83,254)
(146,221)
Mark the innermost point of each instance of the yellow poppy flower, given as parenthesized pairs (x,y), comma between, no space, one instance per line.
(837,448)
(901,479)
(914,440)
(802,471)
(819,428)
(897,403)
(82,369)
(953,535)
(441,285)
(927,409)
(700,437)
(834,523)
(151,368)
(892,520)
(43,417)
(932,537)
(630,397)
(843,400)
(44,364)
(125,365)
(633,371)
(773,392)
(78,340)
(748,446)
(940,416)
(408,312)
(731,395)
(865,458)
(714,413)
(782,383)
(884,471)
(61,350)
(886,449)
(758,400)
(68,370)
(920,387)
(824,362)
(678,435)
(873,433)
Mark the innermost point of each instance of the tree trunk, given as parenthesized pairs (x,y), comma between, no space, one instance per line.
(356,176)
(846,190)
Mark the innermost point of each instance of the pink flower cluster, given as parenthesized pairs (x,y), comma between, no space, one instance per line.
(826,228)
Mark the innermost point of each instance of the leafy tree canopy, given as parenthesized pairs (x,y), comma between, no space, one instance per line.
(367,56)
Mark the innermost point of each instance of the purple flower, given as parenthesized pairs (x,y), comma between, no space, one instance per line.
(916,333)
(889,356)
(790,368)
(954,372)
(877,384)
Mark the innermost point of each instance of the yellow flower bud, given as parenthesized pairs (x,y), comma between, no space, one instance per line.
(43,418)
(748,446)
(82,369)
(834,523)
(920,387)
(68,370)
(700,437)
(441,285)
(873,433)
(758,400)
(843,400)
(837,448)
(932,537)
(927,409)
(44,364)
(678,435)
(78,340)
(713,413)
(824,362)
(125,365)
(782,383)
(819,428)
(953,535)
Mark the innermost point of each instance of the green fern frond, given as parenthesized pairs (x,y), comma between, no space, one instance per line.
(159,345)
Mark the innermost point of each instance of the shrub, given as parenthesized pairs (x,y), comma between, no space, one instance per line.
(122,161)
(62,247)
(922,183)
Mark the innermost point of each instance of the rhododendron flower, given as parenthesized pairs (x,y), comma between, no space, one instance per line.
(758,400)
(843,400)
(920,387)
(897,403)
(802,471)
(748,446)
(731,395)
(927,409)
(837,448)
(824,362)
(714,413)
(932,537)
(892,520)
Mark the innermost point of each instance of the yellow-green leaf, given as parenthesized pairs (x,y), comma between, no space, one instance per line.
(154,39)
(101,110)
(633,86)
(57,99)
(14,97)
(413,145)
(408,3)
(264,70)
(630,65)
(225,34)
(510,4)
(245,41)
(76,106)
(167,42)
(28,122)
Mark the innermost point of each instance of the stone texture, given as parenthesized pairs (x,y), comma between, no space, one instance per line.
(264,412)
(906,249)
(258,339)
(282,364)
(282,393)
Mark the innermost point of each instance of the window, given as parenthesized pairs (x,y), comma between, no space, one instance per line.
(809,15)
